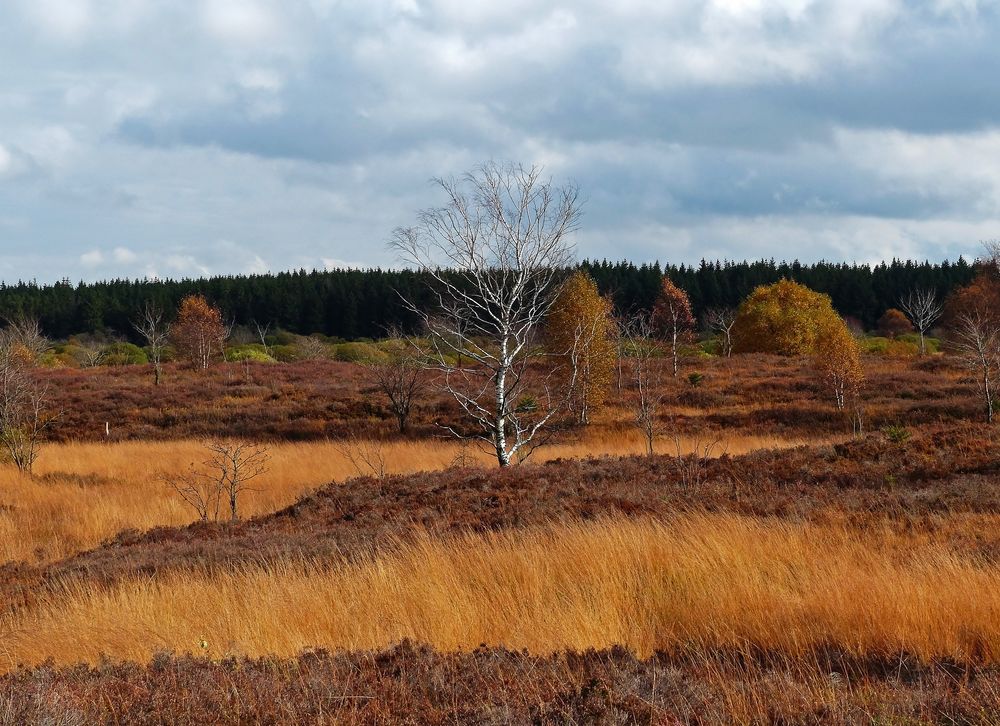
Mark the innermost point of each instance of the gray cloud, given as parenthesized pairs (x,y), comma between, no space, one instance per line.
(234,136)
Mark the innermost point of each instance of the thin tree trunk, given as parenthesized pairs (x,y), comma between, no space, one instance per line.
(988,393)
(500,428)
(673,349)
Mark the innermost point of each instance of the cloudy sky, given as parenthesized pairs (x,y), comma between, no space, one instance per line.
(181,138)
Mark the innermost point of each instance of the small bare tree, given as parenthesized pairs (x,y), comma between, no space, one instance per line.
(91,354)
(222,478)
(25,334)
(691,468)
(367,456)
(647,376)
(235,464)
(399,378)
(155,330)
(720,321)
(976,337)
(923,308)
(312,348)
(262,332)
(495,254)
(25,410)
(198,490)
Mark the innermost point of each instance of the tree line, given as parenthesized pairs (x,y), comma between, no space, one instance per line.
(353,304)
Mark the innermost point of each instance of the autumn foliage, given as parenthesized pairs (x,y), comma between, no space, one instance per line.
(672,316)
(580,329)
(198,334)
(894,322)
(837,360)
(785,318)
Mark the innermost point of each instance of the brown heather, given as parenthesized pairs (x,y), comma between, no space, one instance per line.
(839,581)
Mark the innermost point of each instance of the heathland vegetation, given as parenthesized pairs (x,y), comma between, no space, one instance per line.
(536,492)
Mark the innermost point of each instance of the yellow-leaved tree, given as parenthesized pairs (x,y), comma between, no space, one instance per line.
(581,329)
(787,318)
(837,360)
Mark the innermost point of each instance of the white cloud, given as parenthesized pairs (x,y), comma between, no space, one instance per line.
(965,166)
(93,258)
(51,145)
(61,19)
(261,79)
(123,256)
(185,265)
(307,129)
(332,263)
(6,161)
(239,21)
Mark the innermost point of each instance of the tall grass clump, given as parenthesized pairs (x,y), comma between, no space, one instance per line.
(686,585)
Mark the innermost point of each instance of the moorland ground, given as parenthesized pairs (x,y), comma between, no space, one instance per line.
(795,573)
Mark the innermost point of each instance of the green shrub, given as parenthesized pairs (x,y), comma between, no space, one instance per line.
(364,353)
(285,353)
(896,433)
(695,379)
(282,337)
(873,344)
(933,345)
(526,404)
(123,354)
(711,347)
(901,347)
(253,352)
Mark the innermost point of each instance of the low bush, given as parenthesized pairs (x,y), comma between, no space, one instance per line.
(932,345)
(123,354)
(900,347)
(253,352)
(364,353)
(284,353)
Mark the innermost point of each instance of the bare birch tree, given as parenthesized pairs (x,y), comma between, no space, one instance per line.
(641,344)
(923,308)
(155,330)
(495,253)
(262,332)
(976,337)
(720,321)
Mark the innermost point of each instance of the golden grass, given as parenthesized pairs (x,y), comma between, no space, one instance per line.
(57,514)
(695,582)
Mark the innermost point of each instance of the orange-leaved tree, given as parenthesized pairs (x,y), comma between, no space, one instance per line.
(894,322)
(198,333)
(582,331)
(672,317)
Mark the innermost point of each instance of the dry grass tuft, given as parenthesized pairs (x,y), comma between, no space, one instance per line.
(690,584)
